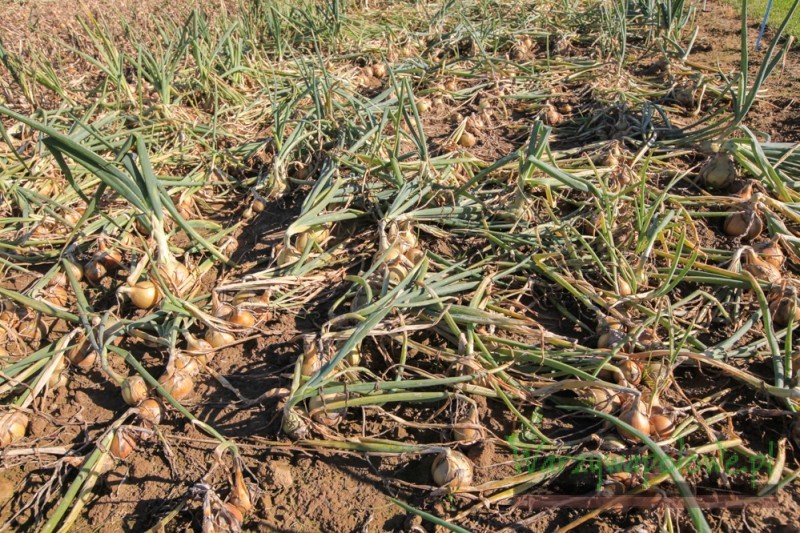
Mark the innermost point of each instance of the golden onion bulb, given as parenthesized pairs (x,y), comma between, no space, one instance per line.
(634,416)
(144,294)
(217,338)
(122,444)
(134,390)
(13,426)
(150,411)
(746,224)
(177,383)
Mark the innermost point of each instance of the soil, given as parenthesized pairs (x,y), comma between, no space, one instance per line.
(298,489)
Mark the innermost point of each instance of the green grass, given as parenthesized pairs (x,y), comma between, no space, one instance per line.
(779,10)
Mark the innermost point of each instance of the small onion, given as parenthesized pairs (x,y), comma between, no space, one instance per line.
(630,371)
(195,346)
(240,496)
(109,258)
(217,338)
(186,363)
(783,307)
(601,399)
(467,140)
(143,295)
(468,429)
(286,256)
(150,412)
(771,252)
(452,468)
(82,355)
(134,390)
(720,171)
(312,359)
(57,295)
(242,318)
(745,224)
(123,444)
(75,269)
(178,384)
(423,106)
(236,516)
(759,268)
(634,416)
(662,425)
(12,427)
(611,339)
(379,70)
(316,234)
(94,271)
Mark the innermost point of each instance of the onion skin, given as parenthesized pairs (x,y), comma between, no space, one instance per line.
(634,416)
(452,469)
(467,140)
(13,427)
(150,412)
(242,318)
(143,295)
(178,384)
(218,339)
(745,224)
(123,444)
(94,271)
(134,390)
(662,425)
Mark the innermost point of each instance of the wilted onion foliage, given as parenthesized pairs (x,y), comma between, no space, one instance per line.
(490,215)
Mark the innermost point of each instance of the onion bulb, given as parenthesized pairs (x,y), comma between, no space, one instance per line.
(611,339)
(82,355)
(783,306)
(75,268)
(771,252)
(57,295)
(720,171)
(423,106)
(123,444)
(467,140)
(143,295)
(150,411)
(634,416)
(186,363)
(178,384)
(134,390)
(312,358)
(379,70)
(745,224)
(662,425)
(242,318)
(217,338)
(286,256)
(294,425)
(94,271)
(759,268)
(240,496)
(468,429)
(109,258)
(452,469)
(630,371)
(13,426)
(195,346)
(601,399)
(316,234)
